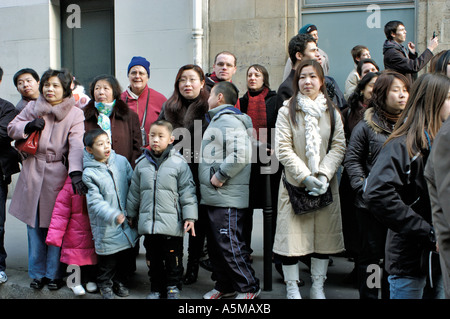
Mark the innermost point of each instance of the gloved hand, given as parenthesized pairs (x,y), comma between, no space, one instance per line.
(77,183)
(324,180)
(35,125)
(313,185)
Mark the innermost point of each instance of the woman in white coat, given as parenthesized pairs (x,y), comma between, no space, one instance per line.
(303,130)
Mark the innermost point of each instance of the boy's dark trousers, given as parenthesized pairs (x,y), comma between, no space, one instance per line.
(165,254)
(226,248)
(113,269)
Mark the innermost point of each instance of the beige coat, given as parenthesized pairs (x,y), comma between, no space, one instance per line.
(320,231)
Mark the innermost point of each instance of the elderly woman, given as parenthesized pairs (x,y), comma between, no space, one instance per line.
(107,111)
(146,102)
(60,152)
(310,144)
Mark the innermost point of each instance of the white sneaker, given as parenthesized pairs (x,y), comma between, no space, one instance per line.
(248,295)
(216,294)
(78,290)
(91,287)
(3,277)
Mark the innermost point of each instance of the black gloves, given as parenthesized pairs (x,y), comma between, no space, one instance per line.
(35,125)
(77,183)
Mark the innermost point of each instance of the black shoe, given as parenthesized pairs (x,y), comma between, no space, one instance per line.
(120,290)
(38,283)
(206,264)
(55,284)
(191,273)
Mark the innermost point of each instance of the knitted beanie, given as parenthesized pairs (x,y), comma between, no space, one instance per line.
(307,28)
(138,60)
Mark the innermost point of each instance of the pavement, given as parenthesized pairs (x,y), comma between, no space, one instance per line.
(18,284)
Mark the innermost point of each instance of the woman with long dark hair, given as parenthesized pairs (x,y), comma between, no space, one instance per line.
(396,191)
(389,96)
(311,152)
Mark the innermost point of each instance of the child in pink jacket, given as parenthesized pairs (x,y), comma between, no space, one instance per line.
(70,229)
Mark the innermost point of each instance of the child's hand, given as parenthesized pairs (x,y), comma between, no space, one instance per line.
(215,182)
(120,219)
(189,225)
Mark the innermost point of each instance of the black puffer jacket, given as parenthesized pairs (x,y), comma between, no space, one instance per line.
(9,157)
(365,144)
(396,193)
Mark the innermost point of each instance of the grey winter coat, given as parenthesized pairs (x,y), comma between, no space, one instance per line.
(226,152)
(162,197)
(108,185)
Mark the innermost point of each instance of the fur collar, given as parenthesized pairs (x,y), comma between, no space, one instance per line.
(120,111)
(372,119)
(59,111)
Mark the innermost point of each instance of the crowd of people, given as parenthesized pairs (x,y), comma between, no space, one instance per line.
(362,173)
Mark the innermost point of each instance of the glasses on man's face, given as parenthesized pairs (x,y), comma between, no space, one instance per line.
(186,80)
(222,64)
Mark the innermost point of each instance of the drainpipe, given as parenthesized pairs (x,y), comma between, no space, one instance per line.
(197,32)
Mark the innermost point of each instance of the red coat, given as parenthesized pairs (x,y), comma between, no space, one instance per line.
(155,102)
(70,228)
(43,174)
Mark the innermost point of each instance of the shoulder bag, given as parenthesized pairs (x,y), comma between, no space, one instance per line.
(301,201)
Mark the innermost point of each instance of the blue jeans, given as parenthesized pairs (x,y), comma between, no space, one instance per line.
(43,260)
(407,287)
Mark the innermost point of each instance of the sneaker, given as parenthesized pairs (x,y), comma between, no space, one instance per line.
(248,295)
(107,293)
(120,290)
(173,292)
(153,295)
(91,287)
(216,294)
(78,290)
(3,277)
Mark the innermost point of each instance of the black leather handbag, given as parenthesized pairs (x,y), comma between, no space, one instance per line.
(301,201)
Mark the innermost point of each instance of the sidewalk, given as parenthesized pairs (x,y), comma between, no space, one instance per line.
(18,284)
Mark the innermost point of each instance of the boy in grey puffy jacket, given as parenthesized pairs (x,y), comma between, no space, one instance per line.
(107,176)
(162,200)
(224,174)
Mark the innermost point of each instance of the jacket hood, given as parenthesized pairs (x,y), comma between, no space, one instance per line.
(89,161)
(217,112)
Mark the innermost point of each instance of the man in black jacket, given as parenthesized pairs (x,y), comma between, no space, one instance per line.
(9,165)
(304,47)
(400,59)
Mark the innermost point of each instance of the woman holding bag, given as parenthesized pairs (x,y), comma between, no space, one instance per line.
(304,129)
(60,152)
